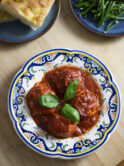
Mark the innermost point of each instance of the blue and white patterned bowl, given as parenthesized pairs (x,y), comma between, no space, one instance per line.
(41,141)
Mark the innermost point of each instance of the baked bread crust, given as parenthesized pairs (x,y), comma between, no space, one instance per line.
(30,12)
(5,17)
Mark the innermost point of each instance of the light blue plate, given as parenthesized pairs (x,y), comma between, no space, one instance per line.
(92,26)
(17,32)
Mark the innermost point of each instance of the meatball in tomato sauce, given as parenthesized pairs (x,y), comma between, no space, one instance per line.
(57,125)
(61,77)
(87,101)
(39,89)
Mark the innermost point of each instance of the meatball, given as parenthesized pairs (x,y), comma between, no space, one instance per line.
(57,125)
(92,86)
(38,90)
(87,103)
(62,77)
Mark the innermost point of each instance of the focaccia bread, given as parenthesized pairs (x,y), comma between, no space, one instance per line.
(30,12)
(5,17)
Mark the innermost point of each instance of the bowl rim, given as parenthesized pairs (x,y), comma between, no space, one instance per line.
(61,154)
(41,34)
(91,29)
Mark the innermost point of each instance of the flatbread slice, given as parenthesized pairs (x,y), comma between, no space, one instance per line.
(30,12)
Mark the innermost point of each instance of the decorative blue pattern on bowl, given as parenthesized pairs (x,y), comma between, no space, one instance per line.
(89,24)
(16,31)
(40,140)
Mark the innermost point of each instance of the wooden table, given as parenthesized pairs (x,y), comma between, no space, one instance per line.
(66,33)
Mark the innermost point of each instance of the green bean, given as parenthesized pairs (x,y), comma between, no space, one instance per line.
(115,17)
(89,8)
(102,10)
(107,29)
(109,25)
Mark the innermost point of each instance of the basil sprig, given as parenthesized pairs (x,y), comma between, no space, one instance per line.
(52,101)
(71,113)
(48,101)
(71,90)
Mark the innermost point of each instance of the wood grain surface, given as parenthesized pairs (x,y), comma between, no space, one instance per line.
(66,33)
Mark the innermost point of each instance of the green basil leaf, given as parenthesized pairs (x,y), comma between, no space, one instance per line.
(71,90)
(71,113)
(48,101)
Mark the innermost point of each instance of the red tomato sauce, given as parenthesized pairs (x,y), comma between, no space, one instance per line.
(87,101)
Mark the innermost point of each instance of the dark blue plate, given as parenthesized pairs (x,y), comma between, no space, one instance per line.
(17,32)
(92,26)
